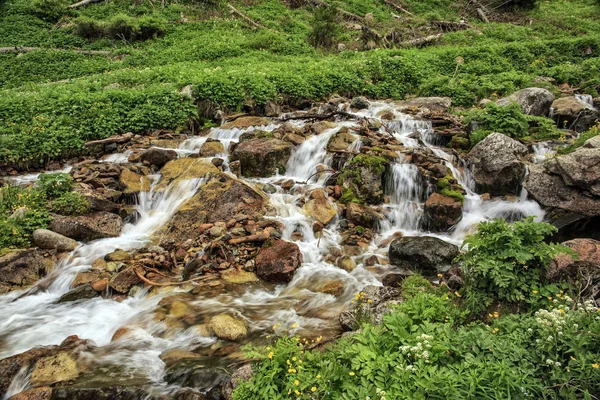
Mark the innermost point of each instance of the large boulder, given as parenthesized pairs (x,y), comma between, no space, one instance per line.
(10,367)
(364,216)
(570,183)
(246,122)
(320,208)
(442,212)
(278,263)
(133,183)
(98,225)
(425,254)
(426,105)
(184,169)
(565,266)
(362,180)
(574,113)
(226,327)
(21,269)
(158,157)
(45,239)
(341,141)
(52,369)
(262,157)
(533,101)
(211,148)
(496,165)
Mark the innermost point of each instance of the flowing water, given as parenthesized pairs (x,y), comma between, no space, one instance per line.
(36,319)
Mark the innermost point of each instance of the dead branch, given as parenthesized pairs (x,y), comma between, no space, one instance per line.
(243,16)
(260,237)
(152,283)
(316,173)
(319,117)
(397,7)
(422,41)
(84,3)
(113,139)
(451,26)
(482,15)
(21,49)
(349,16)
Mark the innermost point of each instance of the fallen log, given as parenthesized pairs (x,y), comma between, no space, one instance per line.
(84,3)
(260,237)
(22,49)
(451,26)
(397,7)
(422,41)
(318,116)
(113,139)
(243,16)
(482,16)
(152,283)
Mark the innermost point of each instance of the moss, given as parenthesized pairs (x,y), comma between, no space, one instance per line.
(349,196)
(453,193)
(376,163)
(443,182)
(459,142)
(359,230)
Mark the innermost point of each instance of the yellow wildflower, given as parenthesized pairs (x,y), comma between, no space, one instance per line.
(572,358)
(295,325)
(293,358)
(296,382)
(318,376)
(457,294)
(535,292)
(297,392)
(313,389)
(352,372)
(270,355)
(595,365)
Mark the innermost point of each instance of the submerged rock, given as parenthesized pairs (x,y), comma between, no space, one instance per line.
(278,263)
(320,208)
(98,225)
(496,165)
(262,157)
(226,327)
(533,101)
(45,239)
(442,212)
(426,254)
(364,216)
(211,148)
(158,157)
(20,269)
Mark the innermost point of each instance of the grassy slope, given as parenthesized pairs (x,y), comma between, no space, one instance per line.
(43,116)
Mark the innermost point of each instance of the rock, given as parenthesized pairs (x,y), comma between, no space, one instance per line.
(236,168)
(226,327)
(278,263)
(381,300)
(10,367)
(359,103)
(442,212)
(592,143)
(496,165)
(184,169)
(564,266)
(346,263)
(240,375)
(334,288)
(320,208)
(580,169)
(341,141)
(60,367)
(246,122)
(193,374)
(426,254)
(426,105)
(188,394)
(79,293)
(133,182)
(158,157)
(234,275)
(101,393)
(573,113)
(21,269)
(45,239)
(124,280)
(100,285)
(262,157)
(40,393)
(83,278)
(533,101)
(319,127)
(362,180)
(118,256)
(364,216)
(98,225)
(211,149)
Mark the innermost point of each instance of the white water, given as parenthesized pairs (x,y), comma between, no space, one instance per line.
(542,151)
(586,99)
(28,179)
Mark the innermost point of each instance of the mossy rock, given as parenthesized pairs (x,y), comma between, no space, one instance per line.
(362,180)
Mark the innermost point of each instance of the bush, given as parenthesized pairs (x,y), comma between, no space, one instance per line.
(508,120)
(506,262)
(70,203)
(325,28)
(55,185)
(49,10)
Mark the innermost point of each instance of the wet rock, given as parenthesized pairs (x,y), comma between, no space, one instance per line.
(233,275)
(574,113)
(124,280)
(364,216)
(98,225)
(79,293)
(10,367)
(359,103)
(211,148)
(40,393)
(362,180)
(341,141)
(319,127)
(426,105)
(592,143)
(83,278)
(334,288)
(346,263)
(278,263)
(133,182)
(320,208)
(103,393)
(45,239)
(246,122)
(184,169)
(236,168)
(158,157)
(100,285)
(226,327)
(118,256)
(262,157)
(240,375)
(188,394)
(565,266)
(60,367)
(217,162)
(533,101)
(194,375)
(20,269)
(496,165)
(426,254)
(442,212)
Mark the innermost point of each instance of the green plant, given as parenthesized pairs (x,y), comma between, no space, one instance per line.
(508,120)
(325,28)
(505,262)
(55,185)
(70,203)
(49,10)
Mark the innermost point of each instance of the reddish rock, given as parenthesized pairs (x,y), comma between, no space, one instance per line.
(364,216)
(124,280)
(39,393)
(278,263)
(442,212)
(100,286)
(565,266)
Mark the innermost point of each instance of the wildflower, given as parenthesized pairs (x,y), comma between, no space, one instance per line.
(313,389)
(495,330)
(319,338)
(457,294)
(318,376)
(369,301)
(268,336)
(572,358)
(352,372)
(291,370)
(439,275)
(295,325)
(270,355)
(293,358)
(595,366)
(535,292)
(287,362)
(297,392)
(296,382)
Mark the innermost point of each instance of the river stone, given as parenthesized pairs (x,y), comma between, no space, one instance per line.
(564,266)
(211,149)
(102,393)
(158,157)
(359,103)
(39,393)
(278,263)
(341,141)
(496,165)
(574,113)
(580,168)
(184,169)
(240,375)
(442,212)
(262,157)
(533,101)
(52,369)
(79,293)
(364,216)
(362,180)
(320,208)
(226,327)
(20,269)
(426,254)
(133,182)
(98,225)
(426,105)
(118,255)
(45,239)
(124,280)
(246,122)
(10,367)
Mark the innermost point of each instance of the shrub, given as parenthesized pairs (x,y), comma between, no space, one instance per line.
(70,203)
(55,185)
(17,231)
(506,262)
(88,28)
(325,28)
(508,120)
(49,10)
